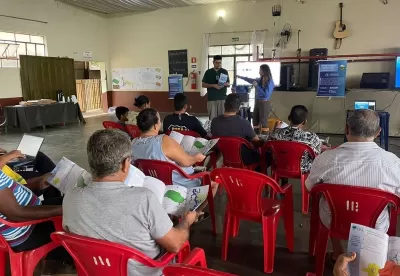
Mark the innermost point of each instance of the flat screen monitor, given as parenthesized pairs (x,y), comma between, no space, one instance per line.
(251,69)
(365,105)
(397,76)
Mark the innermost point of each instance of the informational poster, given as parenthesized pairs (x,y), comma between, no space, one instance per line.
(332,78)
(137,79)
(175,85)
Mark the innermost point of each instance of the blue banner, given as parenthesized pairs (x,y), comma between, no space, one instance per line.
(332,78)
(175,85)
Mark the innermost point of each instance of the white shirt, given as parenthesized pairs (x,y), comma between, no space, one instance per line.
(362,164)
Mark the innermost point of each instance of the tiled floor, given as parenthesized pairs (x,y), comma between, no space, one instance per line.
(245,255)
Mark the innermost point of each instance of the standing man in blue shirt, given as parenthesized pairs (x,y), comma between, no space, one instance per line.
(264,88)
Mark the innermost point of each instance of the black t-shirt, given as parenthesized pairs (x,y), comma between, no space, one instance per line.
(183,122)
(234,126)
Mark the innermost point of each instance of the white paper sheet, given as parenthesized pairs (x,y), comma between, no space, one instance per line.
(30,145)
(371,247)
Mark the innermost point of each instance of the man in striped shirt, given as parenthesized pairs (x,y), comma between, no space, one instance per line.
(359,162)
(19,203)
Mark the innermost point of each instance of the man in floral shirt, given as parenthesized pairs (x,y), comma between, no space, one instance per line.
(294,132)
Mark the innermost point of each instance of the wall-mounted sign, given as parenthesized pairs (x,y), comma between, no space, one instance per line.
(88,54)
(235,39)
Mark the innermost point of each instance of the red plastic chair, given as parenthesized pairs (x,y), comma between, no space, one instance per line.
(212,154)
(104,258)
(189,270)
(245,201)
(109,124)
(133,131)
(286,163)
(348,204)
(24,263)
(230,148)
(163,170)
(186,268)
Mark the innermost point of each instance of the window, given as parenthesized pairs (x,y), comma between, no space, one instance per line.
(231,54)
(12,45)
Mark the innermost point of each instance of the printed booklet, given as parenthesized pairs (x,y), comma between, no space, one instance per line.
(175,199)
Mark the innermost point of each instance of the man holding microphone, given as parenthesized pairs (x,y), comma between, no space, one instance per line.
(216,80)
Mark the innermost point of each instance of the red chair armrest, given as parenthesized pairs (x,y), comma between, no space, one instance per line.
(197,256)
(198,175)
(56,221)
(168,257)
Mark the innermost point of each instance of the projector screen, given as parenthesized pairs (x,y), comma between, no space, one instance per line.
(251,69)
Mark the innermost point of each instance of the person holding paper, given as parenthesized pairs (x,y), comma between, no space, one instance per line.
(359,162)
(180,120)
(42,166)
(264,87)
(108,209)
(295,132)
(341,267)
(152,146)
(19,203)
(216,80)
(142,102)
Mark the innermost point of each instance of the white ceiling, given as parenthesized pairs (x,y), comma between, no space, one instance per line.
(115,6)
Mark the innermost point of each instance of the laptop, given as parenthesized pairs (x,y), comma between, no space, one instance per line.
(365,104)
(28,146)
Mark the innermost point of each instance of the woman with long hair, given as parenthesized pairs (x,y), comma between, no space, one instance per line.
(264,86)
(142,102)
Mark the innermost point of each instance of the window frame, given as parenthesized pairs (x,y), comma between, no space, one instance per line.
(6,58)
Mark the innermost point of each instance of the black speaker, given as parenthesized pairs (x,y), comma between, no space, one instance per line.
(313,66)
(287,77)
(375,80)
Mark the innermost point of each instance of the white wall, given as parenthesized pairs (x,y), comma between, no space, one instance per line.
(140,40)
(70,32)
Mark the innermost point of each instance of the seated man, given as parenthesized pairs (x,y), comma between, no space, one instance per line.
(19,203)
(359,162)
(231,124)
(122,114)
(294,132)
(108,209)
(180,120)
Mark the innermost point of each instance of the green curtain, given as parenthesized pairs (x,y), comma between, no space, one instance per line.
(41,77)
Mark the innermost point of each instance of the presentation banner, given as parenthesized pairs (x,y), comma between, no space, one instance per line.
(332,78)
(175,85)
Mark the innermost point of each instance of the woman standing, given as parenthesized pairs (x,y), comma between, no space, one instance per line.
(264,87)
